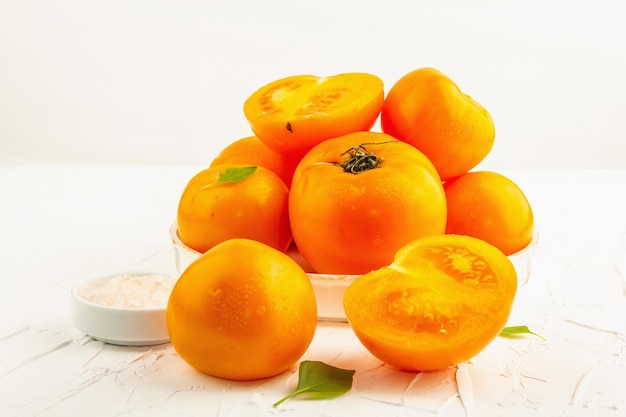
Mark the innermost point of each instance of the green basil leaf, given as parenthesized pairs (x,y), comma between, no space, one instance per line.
(236,174)
(317,380)
(515,331)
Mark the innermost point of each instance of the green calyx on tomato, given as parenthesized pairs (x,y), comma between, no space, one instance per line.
(359,159)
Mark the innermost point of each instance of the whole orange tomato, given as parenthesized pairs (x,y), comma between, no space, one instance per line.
(428,110)
(442,300)
(242,311)
(489,206)
(251,151)
(293,114)
(234,201)
(356,199)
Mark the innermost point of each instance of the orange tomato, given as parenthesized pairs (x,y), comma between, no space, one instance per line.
(356,199)
(212,209)
(442,300)
(428,110)
(242,311)
(293,114)
(251,151)
(489,206)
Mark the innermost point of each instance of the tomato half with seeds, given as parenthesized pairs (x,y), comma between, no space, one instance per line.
(293,114)
(439,303)
(356,199)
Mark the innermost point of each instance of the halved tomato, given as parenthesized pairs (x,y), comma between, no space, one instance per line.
(292,114)
(442,301)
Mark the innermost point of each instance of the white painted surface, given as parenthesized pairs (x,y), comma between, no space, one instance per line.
(145,81)
(61,224)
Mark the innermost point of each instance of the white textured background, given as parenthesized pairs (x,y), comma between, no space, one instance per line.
(163,81)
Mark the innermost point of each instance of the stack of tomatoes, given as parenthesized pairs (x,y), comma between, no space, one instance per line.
(402,206)
(352,197)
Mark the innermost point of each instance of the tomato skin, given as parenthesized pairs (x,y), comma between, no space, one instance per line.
(293,114)
(251,151)
(345,223)
(442,301)
(428,110)
(242,311)
(254,208)
(491,207)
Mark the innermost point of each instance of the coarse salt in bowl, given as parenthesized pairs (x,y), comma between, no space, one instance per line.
(329,288)
(123,309)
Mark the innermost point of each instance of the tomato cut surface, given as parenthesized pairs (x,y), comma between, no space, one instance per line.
(292,114)
(442,300)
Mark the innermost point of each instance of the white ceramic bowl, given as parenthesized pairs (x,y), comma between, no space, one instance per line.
(329,289)
(110,318)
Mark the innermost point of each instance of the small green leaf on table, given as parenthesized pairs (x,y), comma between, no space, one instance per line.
(318,380)
(516,331)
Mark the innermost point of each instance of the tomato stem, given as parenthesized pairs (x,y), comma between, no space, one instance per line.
(360,159)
